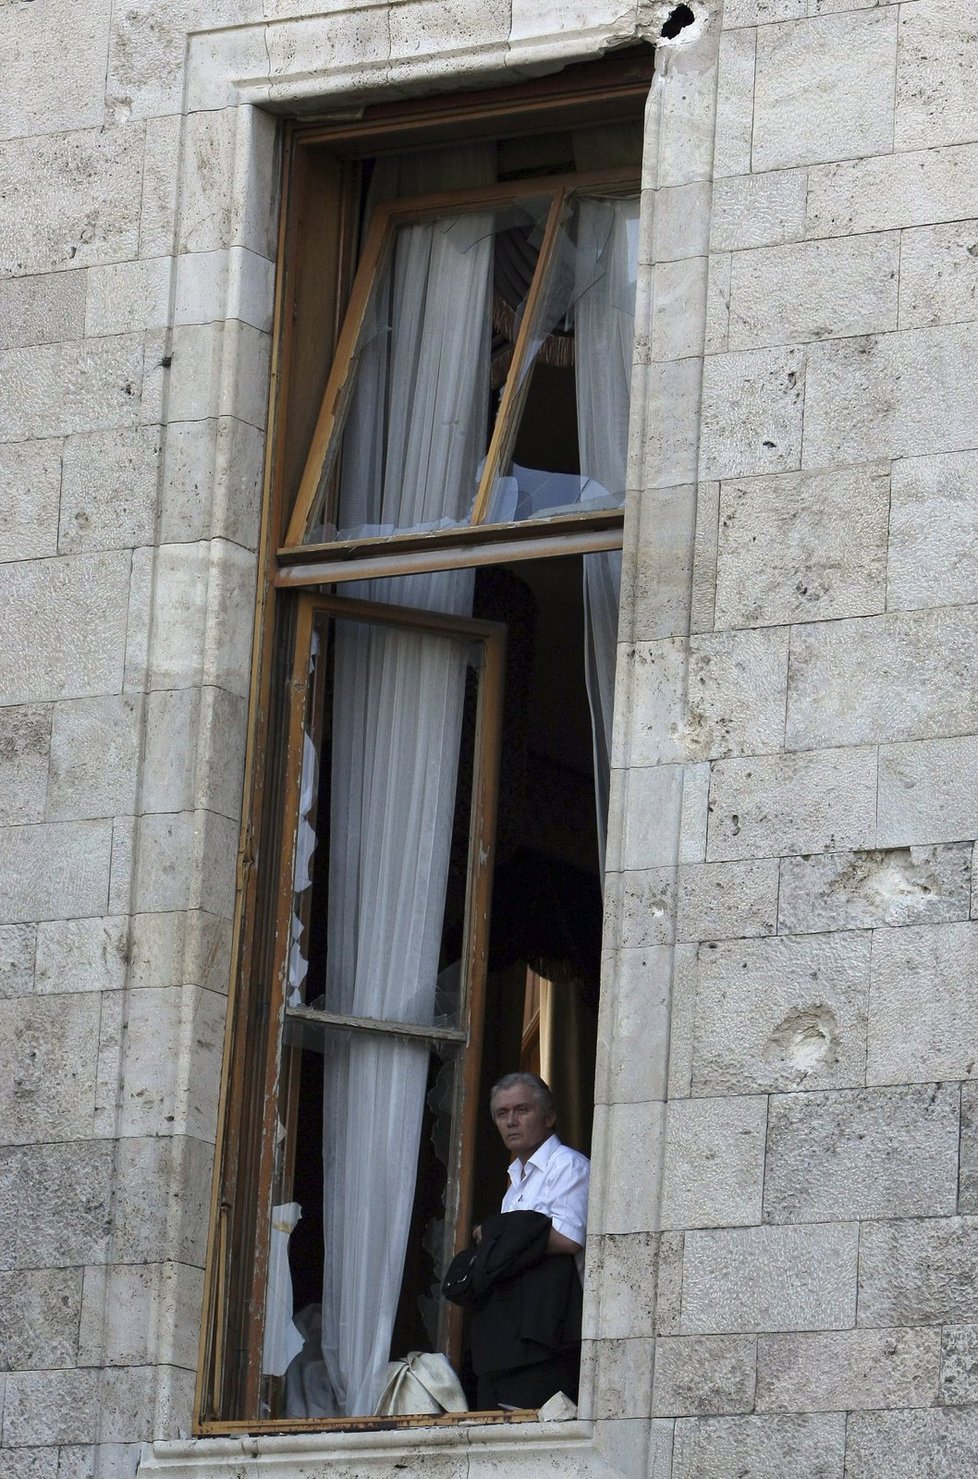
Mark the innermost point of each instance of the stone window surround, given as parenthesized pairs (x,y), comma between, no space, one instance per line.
(233,69)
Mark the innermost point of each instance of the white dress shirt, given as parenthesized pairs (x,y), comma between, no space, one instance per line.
(554,1181)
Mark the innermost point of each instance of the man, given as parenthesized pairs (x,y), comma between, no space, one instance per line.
(533,1319)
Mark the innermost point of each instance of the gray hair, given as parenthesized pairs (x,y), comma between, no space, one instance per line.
(540,1090)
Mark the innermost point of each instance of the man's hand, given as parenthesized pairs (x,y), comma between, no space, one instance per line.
(477,1234)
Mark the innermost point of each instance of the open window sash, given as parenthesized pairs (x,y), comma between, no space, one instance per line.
(313,1021)
(468,215)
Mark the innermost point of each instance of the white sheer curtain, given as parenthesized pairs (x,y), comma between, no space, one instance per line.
(604,329)
(411,451)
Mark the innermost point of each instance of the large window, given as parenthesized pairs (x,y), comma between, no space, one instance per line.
(421,882)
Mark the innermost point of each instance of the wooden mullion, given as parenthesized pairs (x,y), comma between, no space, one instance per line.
(311,1017)
(517,383)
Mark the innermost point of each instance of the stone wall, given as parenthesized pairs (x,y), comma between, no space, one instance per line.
(785,1217)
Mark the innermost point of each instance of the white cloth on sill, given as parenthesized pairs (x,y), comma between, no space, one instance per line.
(555,1182)
(422,1382)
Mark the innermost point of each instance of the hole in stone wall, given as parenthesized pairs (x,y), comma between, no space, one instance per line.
(677,20)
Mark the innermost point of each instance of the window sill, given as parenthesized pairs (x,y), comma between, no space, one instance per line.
(375,1452)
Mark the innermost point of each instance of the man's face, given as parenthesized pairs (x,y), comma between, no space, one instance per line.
(522,1121)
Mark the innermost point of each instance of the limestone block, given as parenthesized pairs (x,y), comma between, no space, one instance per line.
(622,1378)
(802,1447)
(968,1170)
(781,1013)
(823,88)
(94,754)
(91,212)
(680,226)
(126,1403)
(212,481)
(57,1215)
(161,178)
(933,543)
(30,475)
(905,1445)
(756,210)
(636,1012)
(682,1020)
(17,947)
(81,955)
(630,1135)
(841,689)
(727,901)
(927,975)
(762,12)
(671,391)
(656,574)
(934,85)
(141,605)
(147,51)
(42,1407)
(652,798)
(120,874)
(42,309)
(223,719)
(164,848)
(42,94)
(25,739)
(54,870)
(878,1153)
(752,412)
(669,1283)
(39,1312)
(43,1463)
(705,558)
(769,805)
(717,322)
(53,389)
(620,1285)
(219,370)
(735,98)
(919,188)
(185,947)
(928,791)
(959,1364)
(162,1199)
(694,815)
(792,293)
(864,890)
(938,275)
(108,498)
(706,696)
(232,283)
(361,40)
(770,1278)
(203,618)
(214,878)
(140,1314)
(704,1375)
(126,295)
(923,1272)
(48,1053)
(170,754)
(905,393)
(678,292)
(207,194)
(532,20)
(815,1372)
(713,1173)
(172,1062)
(802,546)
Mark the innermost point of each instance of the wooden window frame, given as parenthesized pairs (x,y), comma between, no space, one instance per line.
(290,586)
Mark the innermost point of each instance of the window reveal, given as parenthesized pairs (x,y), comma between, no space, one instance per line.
(471,433)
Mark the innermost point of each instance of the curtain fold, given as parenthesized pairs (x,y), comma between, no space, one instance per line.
(411,450)
(604,328)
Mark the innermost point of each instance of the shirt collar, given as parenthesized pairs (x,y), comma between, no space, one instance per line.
(537,1160)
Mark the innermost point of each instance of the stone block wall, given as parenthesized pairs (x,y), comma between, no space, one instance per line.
(783,1260)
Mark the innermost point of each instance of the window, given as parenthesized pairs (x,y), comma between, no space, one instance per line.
(421,875)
